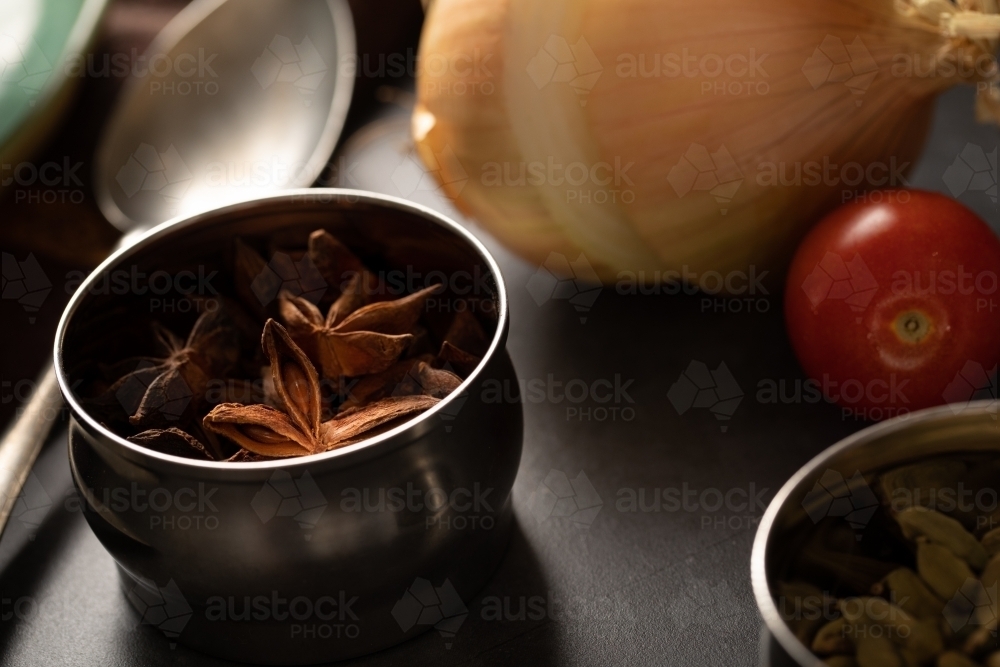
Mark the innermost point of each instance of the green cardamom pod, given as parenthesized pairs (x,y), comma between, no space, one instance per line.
(870,609)
(944,572)
(878,652)
(991,542)
(834,637)
(912,595)
(876,617)
(982,640)
(801,605)
(955,659)
(940,529)
(924,643)
(919,483)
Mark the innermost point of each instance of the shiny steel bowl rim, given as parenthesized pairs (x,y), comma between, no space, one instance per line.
(166,40)
(760,581)
(179,225)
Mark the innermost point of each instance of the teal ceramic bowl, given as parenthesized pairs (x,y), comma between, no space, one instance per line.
(39,42)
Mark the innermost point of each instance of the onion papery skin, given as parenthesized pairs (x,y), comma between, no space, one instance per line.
(486,113)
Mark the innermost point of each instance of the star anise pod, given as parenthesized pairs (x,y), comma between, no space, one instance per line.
(160,392)
(176,442)
(464,344)
(354,339)
(292,430)
(467,334)
(295,429)
(205,446)
(425,380)
(456,358)
(326,265)
(406,377)
(379,385)
(334,261)
(363,422)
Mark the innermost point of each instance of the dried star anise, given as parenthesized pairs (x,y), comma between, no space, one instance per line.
(466,334)
(334,261)
(464,344)
(292,430)
(176,442)
(404,378)
(423,379)
(354,339)
(326,264)
(379,385)
(362,422)
(456,358)
(296,428)
(323,381)
(160,392)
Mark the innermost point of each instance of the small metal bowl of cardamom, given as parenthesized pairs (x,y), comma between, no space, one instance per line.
(288,467)
(885,548)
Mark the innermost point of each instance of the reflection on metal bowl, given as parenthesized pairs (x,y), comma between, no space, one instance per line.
(327,556)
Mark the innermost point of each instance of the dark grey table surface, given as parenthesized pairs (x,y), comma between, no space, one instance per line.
(615,587)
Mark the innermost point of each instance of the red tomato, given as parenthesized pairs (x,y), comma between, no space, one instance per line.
(894,306)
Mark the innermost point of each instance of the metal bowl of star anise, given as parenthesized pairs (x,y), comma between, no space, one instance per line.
(295,424)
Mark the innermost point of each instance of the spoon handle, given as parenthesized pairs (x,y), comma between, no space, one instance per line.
(24,439)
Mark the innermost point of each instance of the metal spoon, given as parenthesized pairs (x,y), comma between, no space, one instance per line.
(240,99)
